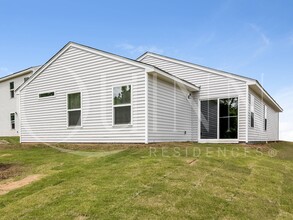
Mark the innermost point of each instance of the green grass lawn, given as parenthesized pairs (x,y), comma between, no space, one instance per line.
(174,180)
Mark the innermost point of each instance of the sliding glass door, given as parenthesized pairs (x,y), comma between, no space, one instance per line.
(219,119)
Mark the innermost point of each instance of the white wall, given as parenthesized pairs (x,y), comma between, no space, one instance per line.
(258,133)
(76,70)
(212,86)
(9,105)
(170,112)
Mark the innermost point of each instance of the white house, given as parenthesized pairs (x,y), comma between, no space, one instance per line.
(9,124)
(86,95)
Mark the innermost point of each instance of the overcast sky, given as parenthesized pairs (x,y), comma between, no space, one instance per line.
(251,38)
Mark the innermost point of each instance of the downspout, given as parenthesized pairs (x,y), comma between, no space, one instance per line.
(247,111)
(146,108)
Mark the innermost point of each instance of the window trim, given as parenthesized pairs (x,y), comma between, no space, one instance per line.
(252,104)
(79,109)
(122,105)
(12,90)
(11,121)
(46,97)
(218,139)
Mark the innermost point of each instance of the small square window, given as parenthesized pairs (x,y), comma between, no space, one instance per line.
(122,115)
(12,120)
(122,95)
(12,94)
(74,118)
(74,101)
(11,86)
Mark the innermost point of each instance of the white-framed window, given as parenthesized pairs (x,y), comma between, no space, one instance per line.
(265,117)
(11,87)
(12,121)
(46,94)
(251,111)
(74,107)
(122,105)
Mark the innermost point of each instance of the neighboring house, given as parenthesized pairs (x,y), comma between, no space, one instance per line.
(9,123)
(86,95)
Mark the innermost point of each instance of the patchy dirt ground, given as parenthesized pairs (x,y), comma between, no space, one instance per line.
(4,142)
(9,170)
(7,187)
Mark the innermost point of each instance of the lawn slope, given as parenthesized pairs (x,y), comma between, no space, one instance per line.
(177,181)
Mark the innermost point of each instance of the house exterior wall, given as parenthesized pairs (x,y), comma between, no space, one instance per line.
(258,132)
(212,86)
(9,105)
(169,111)
(162,110)
(77,70)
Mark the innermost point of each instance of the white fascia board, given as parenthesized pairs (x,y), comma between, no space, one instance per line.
(188,85)
(218,72)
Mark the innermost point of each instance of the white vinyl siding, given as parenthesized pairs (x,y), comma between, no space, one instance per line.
(258,133)
(45,120)
(169,112)
(212,86)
